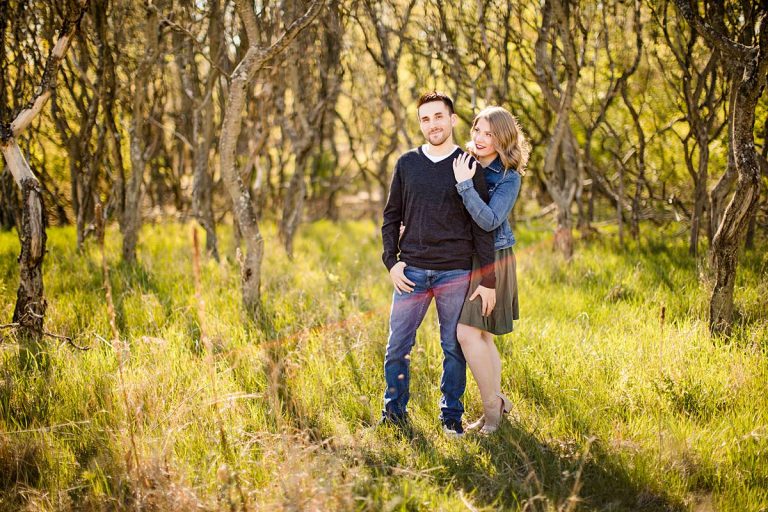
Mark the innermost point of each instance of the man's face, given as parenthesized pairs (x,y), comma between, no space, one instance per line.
(436,122)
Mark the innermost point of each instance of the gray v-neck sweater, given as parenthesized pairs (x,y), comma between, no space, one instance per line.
(439,233)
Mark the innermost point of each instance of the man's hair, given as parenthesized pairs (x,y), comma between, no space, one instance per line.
(431,96)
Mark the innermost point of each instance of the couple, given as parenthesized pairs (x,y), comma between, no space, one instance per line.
(456,246)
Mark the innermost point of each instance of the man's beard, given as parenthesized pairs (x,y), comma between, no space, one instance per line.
(442,137)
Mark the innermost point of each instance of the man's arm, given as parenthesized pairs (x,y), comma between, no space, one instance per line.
(393,217)
(390,235)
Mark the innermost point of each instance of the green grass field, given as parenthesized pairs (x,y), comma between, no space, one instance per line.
(615,409)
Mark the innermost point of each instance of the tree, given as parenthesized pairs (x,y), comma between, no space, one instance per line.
(561,164)
(81,133)
(749,63)
(703,90)
(144,139)
(255,58)
(30,308)
(313,94)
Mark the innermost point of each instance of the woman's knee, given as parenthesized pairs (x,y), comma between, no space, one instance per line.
(468,335)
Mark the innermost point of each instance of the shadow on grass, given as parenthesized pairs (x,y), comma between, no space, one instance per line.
(516,470)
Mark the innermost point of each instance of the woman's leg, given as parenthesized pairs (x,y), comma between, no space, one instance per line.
(495,361)
(480,358)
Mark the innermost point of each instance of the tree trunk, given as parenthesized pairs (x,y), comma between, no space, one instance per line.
(254,59)
(30,303)
(749,65)
(30,307)
(301,128)
(719,193)
(9,202)
(729,236)
(700,196)
(130,222)
(293,206)
(749,242)
(250,261)
(202,137)
(620,206)
(561,166)
(563,233)
(202,187)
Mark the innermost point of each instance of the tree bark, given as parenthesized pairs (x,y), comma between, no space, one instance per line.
(30,302)
(9,202)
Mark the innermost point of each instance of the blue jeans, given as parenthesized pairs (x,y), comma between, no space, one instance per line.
(448,287)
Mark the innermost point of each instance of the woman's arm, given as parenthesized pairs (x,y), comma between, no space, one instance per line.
(491,215)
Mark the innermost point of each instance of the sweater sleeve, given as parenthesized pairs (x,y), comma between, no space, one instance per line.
(491,215)
(483,239)
(393,217)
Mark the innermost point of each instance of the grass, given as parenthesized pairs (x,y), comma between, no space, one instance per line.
(615,408)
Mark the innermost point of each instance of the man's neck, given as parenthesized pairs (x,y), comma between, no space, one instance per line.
(446,148)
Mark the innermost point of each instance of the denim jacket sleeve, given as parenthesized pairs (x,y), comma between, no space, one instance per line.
(492,215)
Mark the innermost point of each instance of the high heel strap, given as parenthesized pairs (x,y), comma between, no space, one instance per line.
(492,426)
(476,425)
(506,404)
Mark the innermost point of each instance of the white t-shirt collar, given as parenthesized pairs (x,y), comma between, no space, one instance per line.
(437,158)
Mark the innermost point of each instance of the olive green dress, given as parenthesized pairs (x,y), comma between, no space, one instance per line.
(506,310)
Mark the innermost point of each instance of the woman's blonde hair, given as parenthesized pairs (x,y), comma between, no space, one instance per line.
(510,142)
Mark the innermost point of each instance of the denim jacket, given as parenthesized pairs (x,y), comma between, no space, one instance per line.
(503,189)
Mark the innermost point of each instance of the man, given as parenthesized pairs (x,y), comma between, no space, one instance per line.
(432,258)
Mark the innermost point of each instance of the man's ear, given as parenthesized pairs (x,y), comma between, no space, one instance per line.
(454,119)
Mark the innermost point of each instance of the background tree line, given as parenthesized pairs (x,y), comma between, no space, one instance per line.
(640,113)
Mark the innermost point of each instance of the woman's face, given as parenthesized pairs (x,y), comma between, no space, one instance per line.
(485,147)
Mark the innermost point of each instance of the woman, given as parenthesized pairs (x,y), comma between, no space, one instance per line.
(499,146)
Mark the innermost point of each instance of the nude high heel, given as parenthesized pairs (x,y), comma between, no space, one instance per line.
(493,418)
(505,402)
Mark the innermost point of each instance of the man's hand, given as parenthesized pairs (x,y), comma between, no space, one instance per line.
(488,298)
(462,170)
(402,283)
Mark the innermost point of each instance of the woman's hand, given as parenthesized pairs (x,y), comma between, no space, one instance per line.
(487,299)
(462,170)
